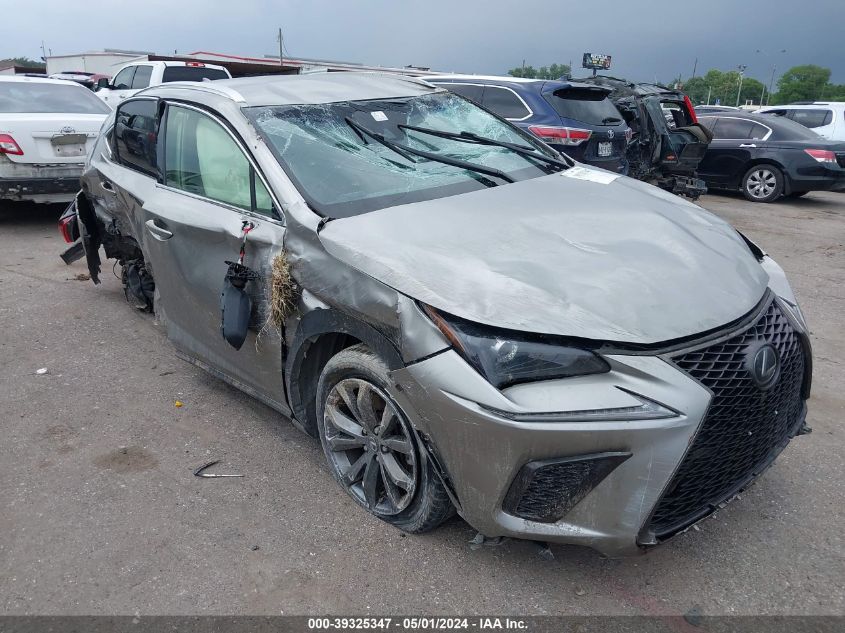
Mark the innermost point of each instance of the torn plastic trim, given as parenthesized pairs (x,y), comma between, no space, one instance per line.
(648,409)
(759,253)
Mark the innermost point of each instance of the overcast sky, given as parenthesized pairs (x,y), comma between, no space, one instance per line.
(648,39)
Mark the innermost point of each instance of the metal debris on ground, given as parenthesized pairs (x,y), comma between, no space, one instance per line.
(199,471)
(41,371)
(479,541)
(544,550)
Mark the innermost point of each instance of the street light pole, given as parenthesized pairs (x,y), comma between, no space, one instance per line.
(742,68)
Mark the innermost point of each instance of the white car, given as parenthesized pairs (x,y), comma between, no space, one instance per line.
(47,129)
(825,118)
(139,75)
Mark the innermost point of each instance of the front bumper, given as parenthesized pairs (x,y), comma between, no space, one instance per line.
(483,438)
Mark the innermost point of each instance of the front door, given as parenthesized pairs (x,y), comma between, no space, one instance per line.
(193,224)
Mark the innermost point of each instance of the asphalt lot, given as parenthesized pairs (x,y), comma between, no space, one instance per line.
(101,514)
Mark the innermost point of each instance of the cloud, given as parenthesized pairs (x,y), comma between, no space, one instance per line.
(647,39)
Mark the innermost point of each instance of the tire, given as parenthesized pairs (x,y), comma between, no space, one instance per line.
(797,194)
(371,447)
(762,183)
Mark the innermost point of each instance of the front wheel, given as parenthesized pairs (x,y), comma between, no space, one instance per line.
(371,448)
(762,183)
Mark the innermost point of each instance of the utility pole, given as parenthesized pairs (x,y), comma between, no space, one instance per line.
(43,51)
(741,68)
(523,68)
(694,67)
(709,89)
(762,94)
(281,41)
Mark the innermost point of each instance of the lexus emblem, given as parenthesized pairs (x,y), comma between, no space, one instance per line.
(610,134)
(67,130)
(763,364)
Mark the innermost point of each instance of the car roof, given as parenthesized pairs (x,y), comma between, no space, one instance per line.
(804,106)
(309,89)
(39,80)
(546,85)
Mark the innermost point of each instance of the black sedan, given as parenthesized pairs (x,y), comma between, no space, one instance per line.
(766,157)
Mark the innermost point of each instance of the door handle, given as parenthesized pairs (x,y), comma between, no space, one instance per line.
(158,232)
(105,184)
(747,145)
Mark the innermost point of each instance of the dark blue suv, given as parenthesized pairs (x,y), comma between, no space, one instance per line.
(577,119)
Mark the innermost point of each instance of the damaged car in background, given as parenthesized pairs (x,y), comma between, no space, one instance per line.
(668,142)
(466,319)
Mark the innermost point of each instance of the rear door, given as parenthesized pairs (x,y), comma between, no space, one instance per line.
(733,145)
(193,224)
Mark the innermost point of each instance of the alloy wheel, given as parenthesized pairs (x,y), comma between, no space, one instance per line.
(761,183)
(370,446)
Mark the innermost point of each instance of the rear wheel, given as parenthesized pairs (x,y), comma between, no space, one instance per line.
(371,447)
(762,183)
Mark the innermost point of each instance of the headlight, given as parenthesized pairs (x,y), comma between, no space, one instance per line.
(509,358)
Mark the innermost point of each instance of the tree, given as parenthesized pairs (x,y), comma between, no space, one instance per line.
(22,61)
(723,86)
(803,83)
(555,71)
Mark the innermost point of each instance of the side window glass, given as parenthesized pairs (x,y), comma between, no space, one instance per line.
(758,132)
(504,103)
(811,118)
(202,158)
(473,93)
(142,77)
(123,80)
(730,128)
(136,135)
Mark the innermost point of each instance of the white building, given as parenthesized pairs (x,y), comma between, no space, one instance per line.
(106,61)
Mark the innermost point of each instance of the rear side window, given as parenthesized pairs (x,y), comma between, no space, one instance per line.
(123,79)
(142,77)
(728,128)
(202,158)
(504,102)
(136,136)
(585,105)
(759,132)
(811,118)
(473,93)
(192,73)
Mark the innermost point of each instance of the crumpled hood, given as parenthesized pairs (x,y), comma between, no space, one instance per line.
(561,254)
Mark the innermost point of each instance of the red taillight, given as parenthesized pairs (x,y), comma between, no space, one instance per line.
(65,228)
(195,64)
(822,155)
(560,135)
(690,109)
(8,145)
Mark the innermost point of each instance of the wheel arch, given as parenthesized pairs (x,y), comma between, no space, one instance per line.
(321,334)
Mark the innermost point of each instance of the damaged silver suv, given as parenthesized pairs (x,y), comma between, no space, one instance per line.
(466,319)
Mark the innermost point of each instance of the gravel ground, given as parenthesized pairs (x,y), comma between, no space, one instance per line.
(101,514)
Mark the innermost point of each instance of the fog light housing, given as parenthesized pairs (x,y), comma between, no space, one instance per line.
(545,491)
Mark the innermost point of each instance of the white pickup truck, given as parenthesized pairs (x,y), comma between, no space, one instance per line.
(139,75)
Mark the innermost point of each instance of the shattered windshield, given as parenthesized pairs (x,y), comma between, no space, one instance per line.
(347,158)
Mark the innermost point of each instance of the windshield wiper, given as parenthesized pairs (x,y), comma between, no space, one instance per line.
(404,150)
(469,137)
